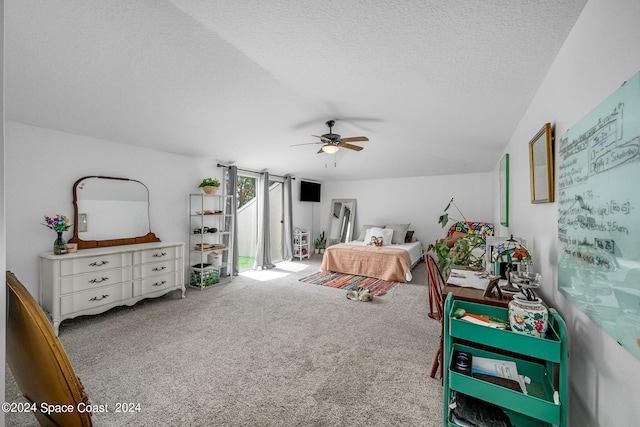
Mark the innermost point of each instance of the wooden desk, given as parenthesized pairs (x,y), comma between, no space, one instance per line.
(474,295)
(471,294)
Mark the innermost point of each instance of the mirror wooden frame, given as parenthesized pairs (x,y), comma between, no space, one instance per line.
(541,158)
(87,244)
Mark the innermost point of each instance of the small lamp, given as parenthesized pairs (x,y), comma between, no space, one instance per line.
(330,149)
(509,252)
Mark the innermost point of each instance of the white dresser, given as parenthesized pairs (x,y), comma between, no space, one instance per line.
(92,281)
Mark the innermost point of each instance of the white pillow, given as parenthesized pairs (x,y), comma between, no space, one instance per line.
(363,233)
(385,233)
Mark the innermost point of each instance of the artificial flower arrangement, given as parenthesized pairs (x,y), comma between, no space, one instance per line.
(58,224)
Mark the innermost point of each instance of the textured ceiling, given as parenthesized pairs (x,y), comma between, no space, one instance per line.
(241,81)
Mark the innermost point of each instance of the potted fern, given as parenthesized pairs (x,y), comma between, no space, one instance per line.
(210,185)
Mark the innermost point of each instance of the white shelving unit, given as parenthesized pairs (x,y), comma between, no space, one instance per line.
(301,243)
(210,240)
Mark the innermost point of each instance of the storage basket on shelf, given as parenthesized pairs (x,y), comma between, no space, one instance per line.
(206,276)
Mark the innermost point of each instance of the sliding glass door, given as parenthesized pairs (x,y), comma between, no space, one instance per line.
(248,219)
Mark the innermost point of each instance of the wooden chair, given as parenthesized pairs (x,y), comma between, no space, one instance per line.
(436,284)
(38,361)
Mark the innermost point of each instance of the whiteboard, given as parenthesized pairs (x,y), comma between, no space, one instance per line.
(599,216)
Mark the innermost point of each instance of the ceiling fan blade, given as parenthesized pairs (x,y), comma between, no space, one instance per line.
(307,143)
(351,146)
(354,139)
(320,151)
(322,138)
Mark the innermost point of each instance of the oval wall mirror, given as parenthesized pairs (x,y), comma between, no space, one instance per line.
(110,212)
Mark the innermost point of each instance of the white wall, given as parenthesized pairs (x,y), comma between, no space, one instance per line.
(417,200)
(601,52)
(42,166)
(307,214)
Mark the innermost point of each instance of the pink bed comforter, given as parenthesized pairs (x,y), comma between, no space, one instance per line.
(383,262)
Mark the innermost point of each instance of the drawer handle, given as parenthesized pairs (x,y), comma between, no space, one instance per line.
(99,280)
(160,255)
(159,268)
(159,283)
(99,298)
(98,263)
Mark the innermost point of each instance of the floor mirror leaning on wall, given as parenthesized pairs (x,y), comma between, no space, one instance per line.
(342,215)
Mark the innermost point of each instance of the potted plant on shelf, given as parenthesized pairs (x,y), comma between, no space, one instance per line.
(457,251)
(210,185)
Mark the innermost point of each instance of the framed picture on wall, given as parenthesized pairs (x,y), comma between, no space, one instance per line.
(504,190)
(541,165)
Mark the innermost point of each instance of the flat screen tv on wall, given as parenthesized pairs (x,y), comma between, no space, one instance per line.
(309,191)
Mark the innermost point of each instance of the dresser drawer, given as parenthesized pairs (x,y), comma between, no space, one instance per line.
(153,268)
(154,284)
(93,280)
(95,298)
(153,255)
(94,263)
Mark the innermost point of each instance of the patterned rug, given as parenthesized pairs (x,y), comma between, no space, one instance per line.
(349,281)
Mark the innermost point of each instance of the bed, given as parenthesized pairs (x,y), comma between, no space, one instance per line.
(391,262)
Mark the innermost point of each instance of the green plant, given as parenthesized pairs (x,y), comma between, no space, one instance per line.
(320,242)
(461,251)
(209,182)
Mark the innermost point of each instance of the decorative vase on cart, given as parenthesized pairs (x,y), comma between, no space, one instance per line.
(527,313)
(529,317)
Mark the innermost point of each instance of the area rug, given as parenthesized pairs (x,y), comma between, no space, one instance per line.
(349,281)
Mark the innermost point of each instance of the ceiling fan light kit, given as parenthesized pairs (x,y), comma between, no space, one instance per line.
(330,149)
(333,141)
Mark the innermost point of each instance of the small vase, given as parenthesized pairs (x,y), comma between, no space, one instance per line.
(59,246)
(528,317)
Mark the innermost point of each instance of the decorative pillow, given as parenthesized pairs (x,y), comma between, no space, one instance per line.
(472,228)
(399,232)
(387,236)
(361,237)
(385,233)
(408,238)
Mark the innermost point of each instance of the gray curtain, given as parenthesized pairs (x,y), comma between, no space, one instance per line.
(263,254)
(287,250)
(232,223)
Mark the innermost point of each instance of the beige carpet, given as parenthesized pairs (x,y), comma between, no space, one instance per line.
(264,350)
